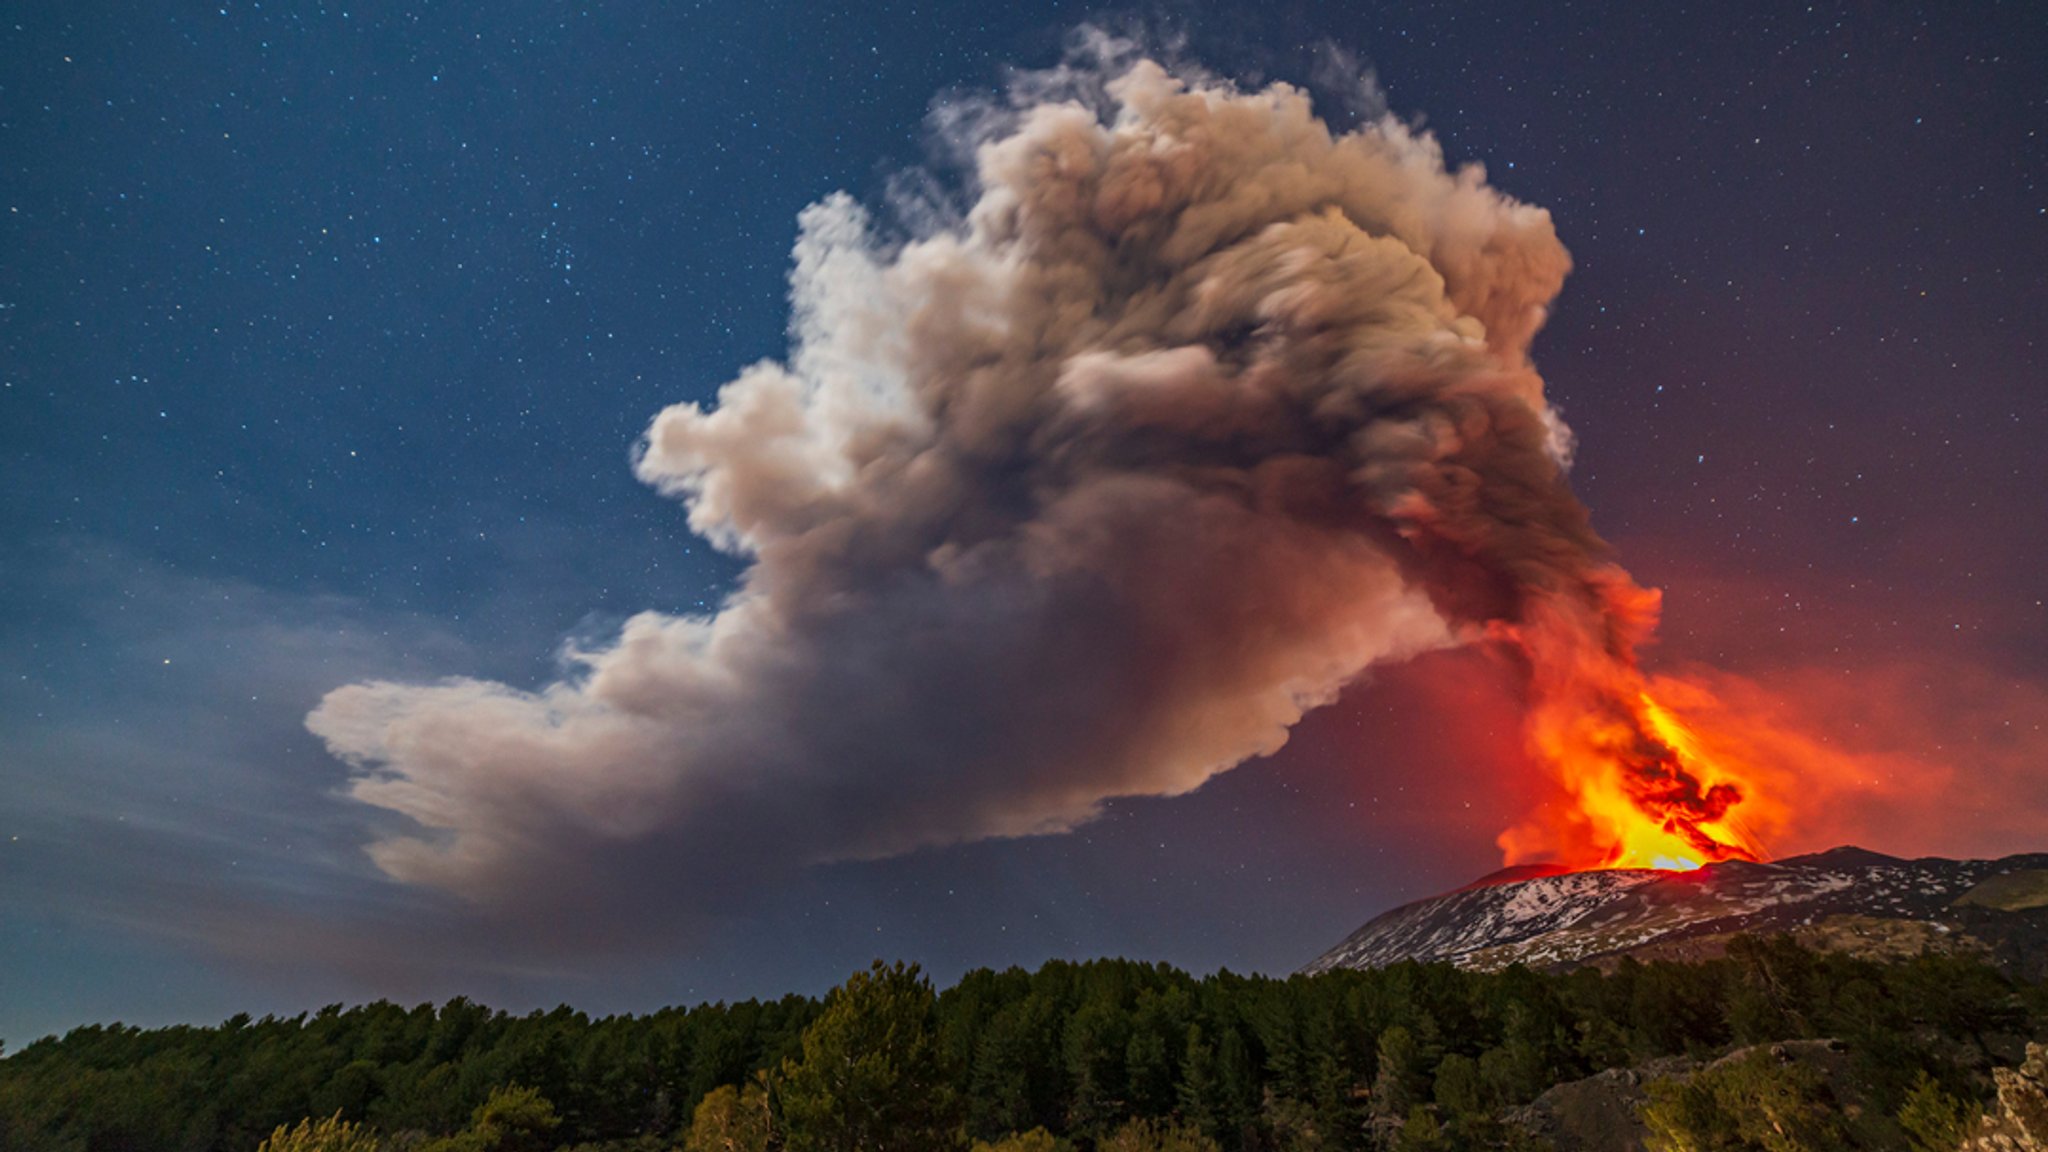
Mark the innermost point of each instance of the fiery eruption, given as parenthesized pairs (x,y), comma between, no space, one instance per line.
(1647,797)
(1088,486)
(1648,791)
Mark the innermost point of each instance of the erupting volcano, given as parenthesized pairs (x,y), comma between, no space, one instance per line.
(1643,784)
(1188,413)
(1647,797)
(1846,899)
(1647,790)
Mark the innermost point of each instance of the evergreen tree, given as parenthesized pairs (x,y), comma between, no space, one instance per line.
(1934,1120)
(1459,1092)
(1237,1086)
(1197,1096)
(511,1119)
(1402,1081)
(1756,1102)
(1420,1132)
(870,1078)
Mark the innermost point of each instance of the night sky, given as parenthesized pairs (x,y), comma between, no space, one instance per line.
(327,333)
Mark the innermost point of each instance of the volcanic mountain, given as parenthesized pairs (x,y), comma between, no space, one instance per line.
(1846,899)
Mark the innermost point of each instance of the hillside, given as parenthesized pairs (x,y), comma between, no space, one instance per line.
(1847,899)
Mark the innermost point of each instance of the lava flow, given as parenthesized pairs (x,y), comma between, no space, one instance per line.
(1647,786)
(1650,796)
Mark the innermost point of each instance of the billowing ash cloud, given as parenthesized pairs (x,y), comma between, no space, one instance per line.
(1198,412)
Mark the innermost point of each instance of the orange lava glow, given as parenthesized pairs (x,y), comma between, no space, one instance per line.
(1643,784)
(1653,798)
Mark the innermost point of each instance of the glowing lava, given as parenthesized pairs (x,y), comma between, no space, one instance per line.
(1647,792)
(1644,784)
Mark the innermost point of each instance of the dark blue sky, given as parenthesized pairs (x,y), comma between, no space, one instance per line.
(326,334)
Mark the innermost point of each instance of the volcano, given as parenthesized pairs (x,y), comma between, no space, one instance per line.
(1846,899)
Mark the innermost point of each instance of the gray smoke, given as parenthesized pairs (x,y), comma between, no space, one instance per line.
(1200,411)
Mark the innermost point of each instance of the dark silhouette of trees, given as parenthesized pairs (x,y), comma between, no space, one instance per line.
(1067,1058)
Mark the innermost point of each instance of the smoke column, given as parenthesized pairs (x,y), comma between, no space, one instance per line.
(1197,412)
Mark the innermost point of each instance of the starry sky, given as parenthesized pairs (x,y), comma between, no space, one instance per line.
(326,334)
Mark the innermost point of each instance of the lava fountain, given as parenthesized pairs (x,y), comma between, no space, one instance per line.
(1647,786)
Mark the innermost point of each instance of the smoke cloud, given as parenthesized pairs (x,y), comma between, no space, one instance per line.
(1195,414)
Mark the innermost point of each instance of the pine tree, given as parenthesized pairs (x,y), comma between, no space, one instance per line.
(1401,1082)
(1198,1091)
(870,1078)
(1934,1120)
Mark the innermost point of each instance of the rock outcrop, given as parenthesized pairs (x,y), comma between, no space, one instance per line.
(2019,1121)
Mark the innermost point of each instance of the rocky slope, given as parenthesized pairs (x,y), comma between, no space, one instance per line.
(2018,1121)
(1847,898)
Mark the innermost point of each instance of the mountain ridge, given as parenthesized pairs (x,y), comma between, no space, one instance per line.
(1849,898)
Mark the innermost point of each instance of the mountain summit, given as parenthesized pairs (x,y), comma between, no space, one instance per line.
(1845,899)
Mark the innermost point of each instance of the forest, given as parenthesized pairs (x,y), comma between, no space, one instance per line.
(1109,1055)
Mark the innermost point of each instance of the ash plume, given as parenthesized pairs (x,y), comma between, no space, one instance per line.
(1196,413)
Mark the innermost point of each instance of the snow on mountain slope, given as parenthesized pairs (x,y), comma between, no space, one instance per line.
(1567,918)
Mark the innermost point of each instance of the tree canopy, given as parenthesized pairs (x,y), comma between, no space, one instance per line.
(1109,1054)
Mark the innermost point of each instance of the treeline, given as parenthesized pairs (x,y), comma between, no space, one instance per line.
(1104,1055)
